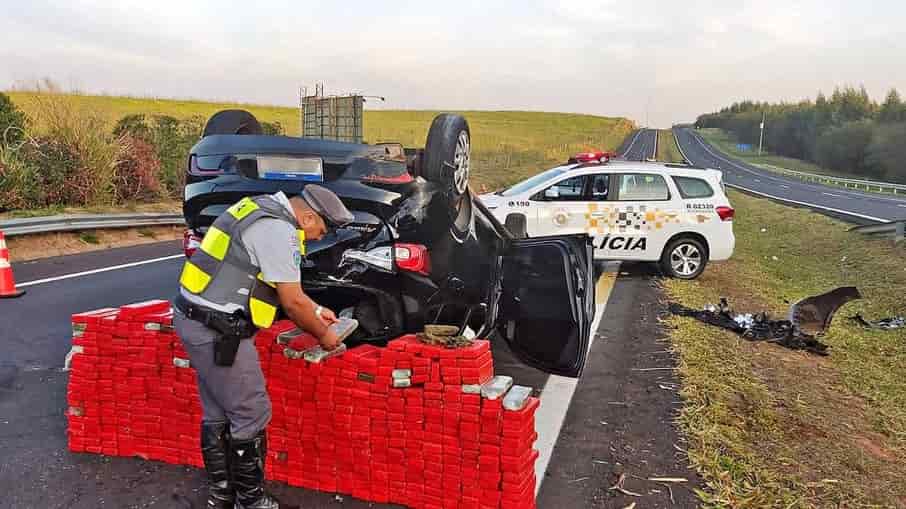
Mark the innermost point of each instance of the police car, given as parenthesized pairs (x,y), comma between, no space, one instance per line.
(673,214)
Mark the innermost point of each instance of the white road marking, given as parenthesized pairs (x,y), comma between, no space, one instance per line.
(558,391)
(784,186)
(832,194)
(98,271)
(902,206)
(631,143)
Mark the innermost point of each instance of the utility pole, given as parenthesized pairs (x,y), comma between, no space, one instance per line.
(761,134)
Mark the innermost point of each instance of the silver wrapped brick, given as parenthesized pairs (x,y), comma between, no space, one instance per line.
(471,389)
(402,373)
(402,382)
(517,396)
(318,354)
(496,387)
(181,363)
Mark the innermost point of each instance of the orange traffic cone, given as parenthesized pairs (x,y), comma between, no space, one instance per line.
(7,281)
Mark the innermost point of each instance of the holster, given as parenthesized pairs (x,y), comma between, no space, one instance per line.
(231,328)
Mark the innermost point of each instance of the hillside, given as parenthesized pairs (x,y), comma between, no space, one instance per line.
(507,146)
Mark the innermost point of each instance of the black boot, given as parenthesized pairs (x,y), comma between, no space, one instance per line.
(214,451)
(247,460)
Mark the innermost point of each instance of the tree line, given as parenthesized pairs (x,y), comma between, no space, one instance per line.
(847,132)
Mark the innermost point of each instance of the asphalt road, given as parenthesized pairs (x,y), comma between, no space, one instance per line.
(38,471)
(851,205)
(640,146)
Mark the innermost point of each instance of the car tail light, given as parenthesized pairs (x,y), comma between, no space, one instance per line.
(413,258)
(190,242)
(403,178)
(725,213)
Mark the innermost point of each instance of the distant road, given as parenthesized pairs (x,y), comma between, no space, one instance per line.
(641,145)
(851,205)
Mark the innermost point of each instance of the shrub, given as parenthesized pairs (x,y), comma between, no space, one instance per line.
(138,173)
(272,128)
(12,122)
(74,145)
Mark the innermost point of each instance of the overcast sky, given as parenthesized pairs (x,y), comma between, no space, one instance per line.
(621,58)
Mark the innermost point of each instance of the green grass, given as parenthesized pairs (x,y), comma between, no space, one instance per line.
(162,206)
(507,145)
(667,151)
(769,427)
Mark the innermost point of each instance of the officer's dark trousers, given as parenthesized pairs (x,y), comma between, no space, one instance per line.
(237,393)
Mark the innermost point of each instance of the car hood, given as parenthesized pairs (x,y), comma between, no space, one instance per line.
(335,152)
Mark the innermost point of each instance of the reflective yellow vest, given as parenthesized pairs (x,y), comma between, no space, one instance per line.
(220,271)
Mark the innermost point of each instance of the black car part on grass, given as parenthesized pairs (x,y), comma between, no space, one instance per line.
(895,322)
(809,319)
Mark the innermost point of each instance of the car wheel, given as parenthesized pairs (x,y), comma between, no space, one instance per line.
(684,258)
(447,158)
(515,223)
(232,122)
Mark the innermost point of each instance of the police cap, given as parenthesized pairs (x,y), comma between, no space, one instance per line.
(327,205)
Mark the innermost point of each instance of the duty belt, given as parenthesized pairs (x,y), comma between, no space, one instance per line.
(232,324)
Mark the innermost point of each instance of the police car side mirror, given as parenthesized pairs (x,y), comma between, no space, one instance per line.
(552,192)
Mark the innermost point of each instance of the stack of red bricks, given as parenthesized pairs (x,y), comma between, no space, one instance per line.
(413,424)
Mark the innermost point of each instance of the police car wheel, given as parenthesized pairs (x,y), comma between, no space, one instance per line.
(515,223)
(232,122)
(448,158)
(684,259)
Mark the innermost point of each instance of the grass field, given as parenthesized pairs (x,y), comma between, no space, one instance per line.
(667,151)
(507,146)
(769,427)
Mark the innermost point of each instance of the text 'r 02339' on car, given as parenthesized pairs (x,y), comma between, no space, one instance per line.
(675,215)
(422,249)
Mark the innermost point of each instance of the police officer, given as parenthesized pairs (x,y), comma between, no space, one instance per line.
(247,267)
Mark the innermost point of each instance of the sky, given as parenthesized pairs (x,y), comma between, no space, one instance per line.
(656,62)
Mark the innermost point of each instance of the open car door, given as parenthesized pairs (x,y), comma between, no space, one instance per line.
(547,301)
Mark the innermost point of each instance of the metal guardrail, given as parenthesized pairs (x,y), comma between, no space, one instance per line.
(72,222)
(868,185)
(894,229)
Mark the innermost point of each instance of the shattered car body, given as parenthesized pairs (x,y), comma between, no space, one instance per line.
(421,250)
(808,320)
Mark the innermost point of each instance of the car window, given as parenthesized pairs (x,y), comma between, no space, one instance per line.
(570,189)
(642,187)
(691,187)
(599,187)
(527,184)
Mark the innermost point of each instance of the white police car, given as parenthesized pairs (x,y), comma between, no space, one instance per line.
(673,214)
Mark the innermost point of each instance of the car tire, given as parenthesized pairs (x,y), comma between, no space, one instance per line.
(684,258)
(447,157)
(232,122)
(515,223)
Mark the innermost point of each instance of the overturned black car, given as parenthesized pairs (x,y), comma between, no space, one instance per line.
(422,248)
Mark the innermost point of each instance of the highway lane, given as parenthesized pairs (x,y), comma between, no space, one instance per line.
(856,206)
(36,327)
(641,146)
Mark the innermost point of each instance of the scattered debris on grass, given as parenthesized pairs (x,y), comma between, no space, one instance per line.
(896,322)
(809,319)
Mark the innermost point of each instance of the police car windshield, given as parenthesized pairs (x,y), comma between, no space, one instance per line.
(540,178)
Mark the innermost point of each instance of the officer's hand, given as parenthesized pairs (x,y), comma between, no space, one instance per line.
(328,317)
(329,341)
